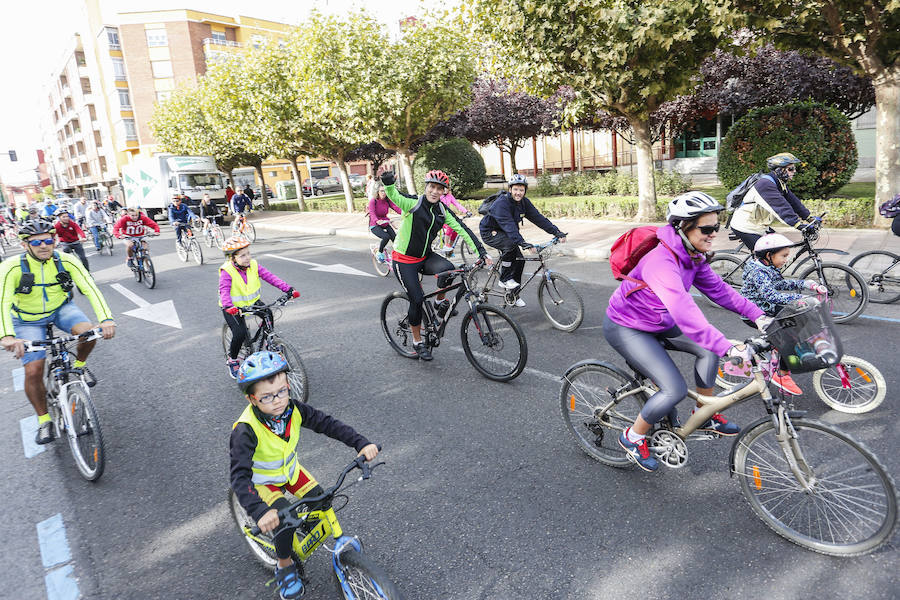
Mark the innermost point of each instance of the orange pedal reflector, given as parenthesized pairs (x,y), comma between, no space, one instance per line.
(756,478)
(864,375)
(853,293)
(721,374)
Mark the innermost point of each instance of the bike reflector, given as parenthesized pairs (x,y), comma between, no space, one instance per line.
(757,480)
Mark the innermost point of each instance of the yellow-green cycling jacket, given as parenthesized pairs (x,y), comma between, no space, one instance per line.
(46,293)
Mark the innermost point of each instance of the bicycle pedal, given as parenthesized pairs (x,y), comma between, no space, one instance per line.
(702,437)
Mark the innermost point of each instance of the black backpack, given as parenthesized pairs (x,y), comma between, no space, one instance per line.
(63,279)
(485,207)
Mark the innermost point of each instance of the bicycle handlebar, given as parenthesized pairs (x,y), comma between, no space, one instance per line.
(255,308)
(93,334)
(285,514)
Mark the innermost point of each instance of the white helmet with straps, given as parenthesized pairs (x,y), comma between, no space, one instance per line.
(770,243)
(690,205)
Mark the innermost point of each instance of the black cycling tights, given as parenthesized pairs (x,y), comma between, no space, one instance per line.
(284,536)
(645,352)
(385,232)
(408,275)
(239,332)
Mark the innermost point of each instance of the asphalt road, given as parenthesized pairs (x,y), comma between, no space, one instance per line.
(484,495)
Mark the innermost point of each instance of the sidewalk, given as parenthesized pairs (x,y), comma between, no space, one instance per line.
(588,239)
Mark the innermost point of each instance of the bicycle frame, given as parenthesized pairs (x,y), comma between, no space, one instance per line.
(543,268)
(327,526)
(462,290)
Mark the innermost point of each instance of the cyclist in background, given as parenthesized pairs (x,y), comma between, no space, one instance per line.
(500,229)
(770,201)
(379,223)
(70,235)
(133,224)
(37,290)
(240,202)
(180,215)
(209,212)
(652,311)
(95,220)
(423,218)
(80,209)
(451,202)
(240,280)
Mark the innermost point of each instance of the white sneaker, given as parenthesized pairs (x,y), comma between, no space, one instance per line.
(519,302)
(510,284)
(448,249)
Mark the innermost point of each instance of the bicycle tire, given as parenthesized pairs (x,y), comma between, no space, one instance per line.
(297,375)
(245,351)
(725,380)
(218,237)
(208,239)
(730,269)
(382,268)
(865,487)
(86,442)
(108,243)
(250,231)
(884,288)
(867,386)
(395,324)
(495,342)
(148,273)
(196,251)
(136,272)
(364,577)
(585,390)
(847,290)
(569,320)
(181,250)
(263,555)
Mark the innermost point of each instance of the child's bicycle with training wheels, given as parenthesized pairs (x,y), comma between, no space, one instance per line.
(69,401)
(493,343)
(808,481)
(265,338)
(558,298)
(356,575)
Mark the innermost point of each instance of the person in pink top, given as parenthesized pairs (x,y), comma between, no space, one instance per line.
(240,278)
(450,201)
(652,311)
(379,223)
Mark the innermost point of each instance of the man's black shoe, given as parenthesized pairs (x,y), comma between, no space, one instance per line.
(422,351)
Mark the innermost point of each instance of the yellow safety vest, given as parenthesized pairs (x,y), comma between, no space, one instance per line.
(243,294)
(275,460)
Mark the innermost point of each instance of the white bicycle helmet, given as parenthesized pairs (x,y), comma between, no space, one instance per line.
(690,205)
(771,243)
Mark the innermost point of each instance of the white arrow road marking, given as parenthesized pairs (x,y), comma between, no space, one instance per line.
(335,268)
(163,312)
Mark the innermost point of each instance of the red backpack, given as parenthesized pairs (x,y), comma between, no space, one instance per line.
(629,249)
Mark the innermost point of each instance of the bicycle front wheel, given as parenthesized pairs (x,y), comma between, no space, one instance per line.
(594,414)
(263,553)
(493,343)
(85,437)
(362,578)
(395,324)
(860,388)
(136,271)
(561,302)
(881,270)
(847,290)
(182,251)
(218,237)
(196,251)
(297,375)
(848,505)
(147,272)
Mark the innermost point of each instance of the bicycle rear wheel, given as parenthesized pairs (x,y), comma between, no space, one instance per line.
(362,578)
(849,506)
(218,237)
(881,270)
(249,231)
(730,269)
(866,386)
(297,375)
(85,438)
(395,324)
(148,274)
(593,415)
(493,343)
(847,290)
(196,251)
(561,302)
(208,238)
(264,554)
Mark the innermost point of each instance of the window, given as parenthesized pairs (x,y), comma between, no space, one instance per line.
(112,37)
(98,141)
(130,131)
(257,41)
(163,96)
(157,37)
(219,36)
(124,98)
(273,173)
(119,68)
(92,112)
(79,146)
(79,58)
(85,85)
(161,68)
(103,164)
(86,169)
(201,180)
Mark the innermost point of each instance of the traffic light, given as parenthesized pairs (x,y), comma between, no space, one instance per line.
(12,156)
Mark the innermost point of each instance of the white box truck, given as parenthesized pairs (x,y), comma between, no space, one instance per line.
(150,182)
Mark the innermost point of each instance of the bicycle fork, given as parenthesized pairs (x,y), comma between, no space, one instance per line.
(786,436)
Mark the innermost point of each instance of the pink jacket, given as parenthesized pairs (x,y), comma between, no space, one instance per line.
(378,210)
(451,202)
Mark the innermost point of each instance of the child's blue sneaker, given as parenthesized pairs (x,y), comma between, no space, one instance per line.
(719,424)
(289,584)
(234,365)
(639,452)
(380,257)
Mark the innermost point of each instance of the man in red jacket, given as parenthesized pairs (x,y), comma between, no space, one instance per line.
(133,224)
(70,235)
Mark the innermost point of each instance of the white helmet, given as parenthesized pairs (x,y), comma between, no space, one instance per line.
(690,205)
(771,243)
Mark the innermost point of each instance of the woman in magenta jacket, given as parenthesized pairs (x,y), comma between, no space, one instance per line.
(379,223)
(652,311)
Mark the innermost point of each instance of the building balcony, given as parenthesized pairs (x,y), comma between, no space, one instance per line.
(113,46)
(216,42)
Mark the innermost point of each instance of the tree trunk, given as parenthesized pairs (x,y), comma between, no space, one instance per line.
(406,169)
(646,184)
(345,182)
(295,171)
(513,169)
(887,141)
(230,177)
(262,187)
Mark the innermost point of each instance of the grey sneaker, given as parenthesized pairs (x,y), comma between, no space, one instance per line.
(44,433)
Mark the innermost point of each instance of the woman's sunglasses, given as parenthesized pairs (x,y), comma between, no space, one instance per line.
(36,243)
(708,229)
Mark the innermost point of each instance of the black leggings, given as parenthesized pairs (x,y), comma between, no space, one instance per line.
(408,276)
(239,332)
(512,262)
(77,249)
(385,232)
(646,352)
(284,536)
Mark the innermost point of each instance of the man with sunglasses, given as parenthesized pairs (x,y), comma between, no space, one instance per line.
(37,290)
(770,201)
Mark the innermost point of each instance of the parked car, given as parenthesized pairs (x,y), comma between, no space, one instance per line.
(325,185)
(357,181)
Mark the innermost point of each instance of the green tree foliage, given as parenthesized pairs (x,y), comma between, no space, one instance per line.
(457,158)
(817,134)
(862,35)
(621,57)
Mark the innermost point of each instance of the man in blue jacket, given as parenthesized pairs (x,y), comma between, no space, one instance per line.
(500,229)
(179,216)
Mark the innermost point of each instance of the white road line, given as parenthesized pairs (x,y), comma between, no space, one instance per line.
(28,426)
(57,557)
(508,363)
(129,294)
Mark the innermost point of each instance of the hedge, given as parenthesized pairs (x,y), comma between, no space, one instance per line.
(457,158)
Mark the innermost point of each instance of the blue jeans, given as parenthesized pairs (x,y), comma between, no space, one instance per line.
(95,231)
(65,318)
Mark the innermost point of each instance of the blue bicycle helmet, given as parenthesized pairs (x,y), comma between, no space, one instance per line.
(517,179)
(259,366)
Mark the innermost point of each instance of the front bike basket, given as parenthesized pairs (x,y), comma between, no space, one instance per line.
(805,337)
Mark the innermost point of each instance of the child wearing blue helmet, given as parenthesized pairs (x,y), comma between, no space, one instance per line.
(264,448)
